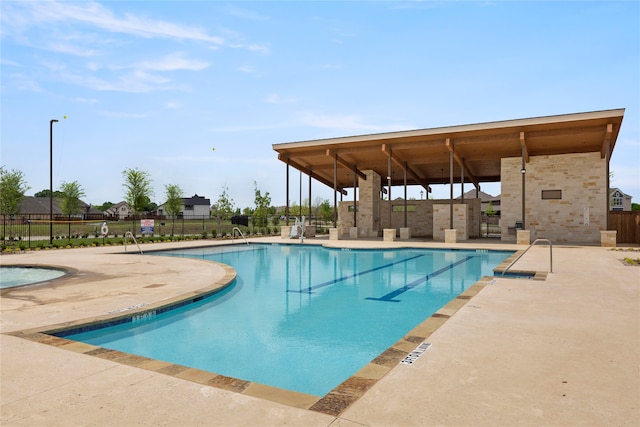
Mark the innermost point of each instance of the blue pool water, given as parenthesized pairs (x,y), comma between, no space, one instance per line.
(12,276)
(302,318)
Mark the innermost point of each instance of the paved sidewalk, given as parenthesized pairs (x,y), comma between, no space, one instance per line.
(564,351)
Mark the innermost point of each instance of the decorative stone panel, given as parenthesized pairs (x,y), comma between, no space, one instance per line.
(576,213)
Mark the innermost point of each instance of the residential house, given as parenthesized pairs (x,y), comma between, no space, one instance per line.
(192,207)
(486,200)
(120,210)
(39,208)
(619,200)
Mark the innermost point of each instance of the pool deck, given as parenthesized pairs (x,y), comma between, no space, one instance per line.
(558,352)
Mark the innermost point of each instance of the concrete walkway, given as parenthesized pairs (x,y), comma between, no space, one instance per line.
(564,351)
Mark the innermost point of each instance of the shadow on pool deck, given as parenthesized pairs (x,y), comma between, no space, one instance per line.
(563,351)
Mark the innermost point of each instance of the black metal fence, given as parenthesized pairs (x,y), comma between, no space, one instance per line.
(29,230)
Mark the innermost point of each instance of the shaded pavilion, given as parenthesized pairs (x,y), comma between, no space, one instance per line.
(538,149)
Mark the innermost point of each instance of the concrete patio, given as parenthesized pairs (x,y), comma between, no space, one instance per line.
(563,351)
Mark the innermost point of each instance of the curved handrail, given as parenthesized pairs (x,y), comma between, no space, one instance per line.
(130,234)
(530,246)
(233,233)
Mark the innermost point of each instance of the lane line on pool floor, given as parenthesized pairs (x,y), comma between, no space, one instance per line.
(389,297)
(350,276)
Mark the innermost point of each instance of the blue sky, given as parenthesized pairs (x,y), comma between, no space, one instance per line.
(156,85)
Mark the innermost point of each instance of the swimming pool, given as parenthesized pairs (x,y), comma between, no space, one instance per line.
(300,317)
(12,276)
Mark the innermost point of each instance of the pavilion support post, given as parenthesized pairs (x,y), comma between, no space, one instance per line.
(355,200)
(389,185)
(462,181)
(335,190)
(405,194)
(607,195)
(286,209)
(523,173)
(310,173)
(451,189)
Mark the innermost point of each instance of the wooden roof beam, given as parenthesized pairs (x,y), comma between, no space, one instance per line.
(343,162)
(387,150)
(607,138)
(523,144)
(462,164)
(309,172)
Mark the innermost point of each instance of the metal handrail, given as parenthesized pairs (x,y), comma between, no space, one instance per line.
(233,233)
(130,234)
(530,246)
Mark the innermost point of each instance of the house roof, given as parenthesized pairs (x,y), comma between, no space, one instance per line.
(613,190)
(477,148)
(484,197)
(196,200)
(40,205)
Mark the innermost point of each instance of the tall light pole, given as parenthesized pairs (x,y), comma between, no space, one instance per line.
(51,122)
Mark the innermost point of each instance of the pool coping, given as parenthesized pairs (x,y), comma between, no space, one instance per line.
(333,403)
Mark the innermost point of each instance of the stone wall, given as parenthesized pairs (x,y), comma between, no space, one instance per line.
(442,222)
(419,221)
(577,216)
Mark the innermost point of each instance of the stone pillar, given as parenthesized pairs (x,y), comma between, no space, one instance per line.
(405,233)
(369,204)
(523,237)
(285,231)
(450,235)
(353,232)
(389,234)
(334,234)
(309,231)
(608,238)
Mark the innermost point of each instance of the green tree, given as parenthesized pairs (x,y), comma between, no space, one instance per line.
(173,204)
(490,210)
(70,200)
(262,207)
(137,184)
(12,189)
(57,194)
(106,205)
(224,206)
(325,211)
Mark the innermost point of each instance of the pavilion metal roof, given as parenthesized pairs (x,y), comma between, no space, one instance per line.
(477,148)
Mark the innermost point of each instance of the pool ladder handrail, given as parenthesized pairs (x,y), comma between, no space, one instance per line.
(130,234)
(233,233)
(530,246)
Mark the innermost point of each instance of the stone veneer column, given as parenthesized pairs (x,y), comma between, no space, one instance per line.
(369,204)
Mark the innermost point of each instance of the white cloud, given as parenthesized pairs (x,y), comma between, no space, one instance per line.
(24,83)
(99,16)
(138,81)
(172,62)
(274,98)
(247,69)
(70,49)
